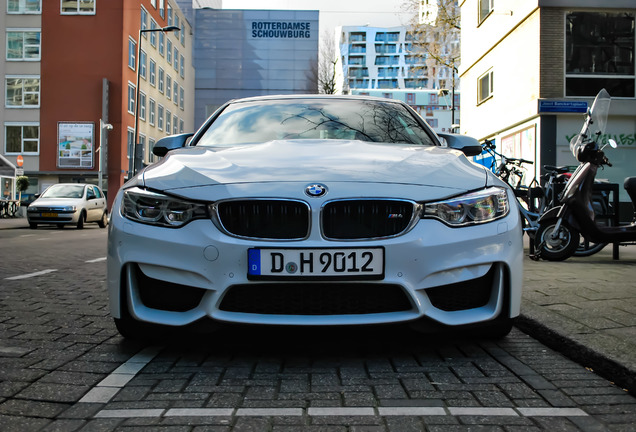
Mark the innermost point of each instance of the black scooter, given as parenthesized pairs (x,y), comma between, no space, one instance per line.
(559,228)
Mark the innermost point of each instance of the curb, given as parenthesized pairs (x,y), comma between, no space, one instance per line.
(617,373)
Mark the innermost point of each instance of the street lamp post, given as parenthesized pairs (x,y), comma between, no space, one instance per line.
(137,151)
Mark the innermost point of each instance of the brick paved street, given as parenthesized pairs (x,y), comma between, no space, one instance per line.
(64,367)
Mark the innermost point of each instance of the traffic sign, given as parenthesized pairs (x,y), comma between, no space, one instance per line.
(19,171)
(20,160)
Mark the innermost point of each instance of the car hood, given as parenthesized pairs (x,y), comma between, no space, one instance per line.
(315,161)
(56,202)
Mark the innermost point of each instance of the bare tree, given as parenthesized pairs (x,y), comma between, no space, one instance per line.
(435,32)
(327,64)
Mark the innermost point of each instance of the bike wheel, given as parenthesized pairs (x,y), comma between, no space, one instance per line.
(587,248)
(556,246)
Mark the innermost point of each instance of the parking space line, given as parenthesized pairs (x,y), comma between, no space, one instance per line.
(107,388)
(30,275)
(406,411)
(96,260)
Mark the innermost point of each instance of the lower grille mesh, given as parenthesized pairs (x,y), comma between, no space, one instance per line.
(469,294)
(315,299)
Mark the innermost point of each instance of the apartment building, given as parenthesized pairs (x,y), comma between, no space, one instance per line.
(71,69)
(530,70)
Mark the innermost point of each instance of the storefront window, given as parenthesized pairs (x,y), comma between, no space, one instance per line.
(600,53)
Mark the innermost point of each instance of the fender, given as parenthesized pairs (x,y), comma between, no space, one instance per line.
(553,213)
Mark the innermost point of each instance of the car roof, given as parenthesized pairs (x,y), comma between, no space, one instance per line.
(313,96)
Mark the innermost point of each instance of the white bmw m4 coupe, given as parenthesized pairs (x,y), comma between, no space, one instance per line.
(315,211)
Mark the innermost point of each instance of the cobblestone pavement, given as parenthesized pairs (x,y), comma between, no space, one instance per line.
(63,367)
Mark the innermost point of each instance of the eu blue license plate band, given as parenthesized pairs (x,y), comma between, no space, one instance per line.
(254,262)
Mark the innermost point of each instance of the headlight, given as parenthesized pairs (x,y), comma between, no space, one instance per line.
(70,208)
(470,209)
(158,209)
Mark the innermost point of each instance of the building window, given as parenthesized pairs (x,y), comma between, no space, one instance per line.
(142,145)
(153,71)
(168,121)
(168,86)
(22,138)
(75,7)
(132,53)
(169,51)
(169,14)
(181,126)
(130,136)
(23,45)
(175,125)
(176,59)
(151,145)
(162,9)
(486,7)
(153,35)
(144,21)
(131,98)
(181,97)
(177,24)
(161,43)
(600,53)
(151,111)
(175,93)
(142,106)
(160,117)
(161,78)
(182,34)
(24,6)
(22,92)
(182,66)
(484,87)
(142,64)
(153,3)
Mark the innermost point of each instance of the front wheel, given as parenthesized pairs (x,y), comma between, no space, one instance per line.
(556,246)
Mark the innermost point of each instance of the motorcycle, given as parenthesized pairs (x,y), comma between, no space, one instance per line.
(560,228)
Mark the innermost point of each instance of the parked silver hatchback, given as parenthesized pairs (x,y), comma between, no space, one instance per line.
(69,204)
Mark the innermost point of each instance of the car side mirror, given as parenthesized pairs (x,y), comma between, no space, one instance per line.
(468,145)
(172,142)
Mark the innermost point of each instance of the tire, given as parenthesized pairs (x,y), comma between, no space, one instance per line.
(80,220)
(499,329)
(33,225)
(103,221)
(587,248)
(560,248)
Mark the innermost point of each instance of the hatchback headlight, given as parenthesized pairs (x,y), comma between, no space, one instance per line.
(158,209)
(470,209)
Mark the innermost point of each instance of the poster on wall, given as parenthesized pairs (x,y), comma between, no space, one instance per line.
(75,144)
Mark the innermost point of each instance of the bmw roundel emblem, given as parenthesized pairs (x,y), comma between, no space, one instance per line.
(316,190)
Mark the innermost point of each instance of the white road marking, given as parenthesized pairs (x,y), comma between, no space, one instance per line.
(96,260)
(107,388)
(342,412)
(30,275)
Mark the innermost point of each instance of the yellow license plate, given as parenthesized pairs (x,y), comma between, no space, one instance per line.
(49,214)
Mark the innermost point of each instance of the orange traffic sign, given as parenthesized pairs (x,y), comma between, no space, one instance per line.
(20,160)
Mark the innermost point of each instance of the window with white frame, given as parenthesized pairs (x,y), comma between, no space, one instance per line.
(24,6)
(151,145)
(153,3)
(153,35)
(177,24)
(181,126)
(78,7)
(22,91)
(484,87)
(23,44)
(131,98)
(175,93)
(486,7)
(168,86)
(599,53)
(175,64)
(142,146)
(168,121)
(142,64)
(182,33)
(142,106)
(162,38)
(144,21)
(152,66)
(162,9)
(169,51)
(132,54)
(130,139)
(169,14)
(161,80)
(160,117)
(181,97)
(22,138)
(182,66)
(175,125)
(151,111)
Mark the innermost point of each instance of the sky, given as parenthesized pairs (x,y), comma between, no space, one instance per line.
(333,13)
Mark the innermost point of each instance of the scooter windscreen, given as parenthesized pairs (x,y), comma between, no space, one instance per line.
(594,125)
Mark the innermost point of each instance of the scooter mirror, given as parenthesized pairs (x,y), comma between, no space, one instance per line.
(612,143)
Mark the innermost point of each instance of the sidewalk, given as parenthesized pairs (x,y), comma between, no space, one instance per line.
(582,307)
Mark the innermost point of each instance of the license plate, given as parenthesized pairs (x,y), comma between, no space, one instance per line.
(349,263)
(51,215)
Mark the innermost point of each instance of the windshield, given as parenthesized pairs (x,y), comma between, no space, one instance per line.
(595,121)
(64,191)
(326,118)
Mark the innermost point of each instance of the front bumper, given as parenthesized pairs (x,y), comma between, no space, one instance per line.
(454,276)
